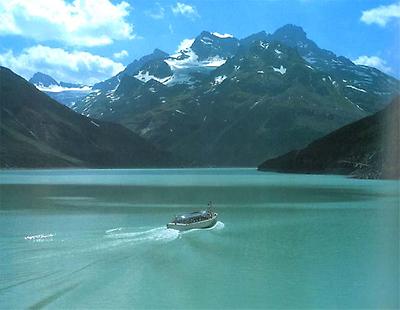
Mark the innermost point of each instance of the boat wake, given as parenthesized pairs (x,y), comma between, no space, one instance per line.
(122,235)
(218,226)
(160,234)
(40,237)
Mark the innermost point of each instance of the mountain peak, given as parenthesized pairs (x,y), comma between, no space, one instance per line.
(205,33)
(258,36)
(215,35)
(209,44)
(158,52)
(43,79)
(290,32)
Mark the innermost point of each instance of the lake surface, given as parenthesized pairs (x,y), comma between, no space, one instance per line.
(97,239)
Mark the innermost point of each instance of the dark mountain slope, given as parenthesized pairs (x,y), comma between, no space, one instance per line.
(265,100)
(367,87)
(130,70)
(42,79)
(208,45)
(36,131)
(229,102)
(368,148)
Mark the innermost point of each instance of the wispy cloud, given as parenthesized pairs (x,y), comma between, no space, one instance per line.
(185,10)
(77,23)
(382,14)
(171,29)
(69,66)
(157,13)
(121,54)
(373,61)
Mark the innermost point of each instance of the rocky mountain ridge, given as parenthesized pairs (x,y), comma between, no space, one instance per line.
(223,101)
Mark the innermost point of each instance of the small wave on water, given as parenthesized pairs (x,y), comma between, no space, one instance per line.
(40,237)
(218,226)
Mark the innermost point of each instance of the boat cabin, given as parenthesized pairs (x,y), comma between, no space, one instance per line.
(193,217)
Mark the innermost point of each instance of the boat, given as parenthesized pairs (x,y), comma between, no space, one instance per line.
(194,220)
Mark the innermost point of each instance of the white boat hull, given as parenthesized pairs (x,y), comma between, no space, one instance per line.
(196,225)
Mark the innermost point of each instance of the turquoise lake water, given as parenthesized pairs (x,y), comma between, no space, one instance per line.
(97,239)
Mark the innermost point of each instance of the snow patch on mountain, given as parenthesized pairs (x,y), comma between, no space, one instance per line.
(58,88)
(189,59)
(94,123)
(222,35)
(208,42)
(180,112)
(264,45)
(185,61)
(254,105)
(219,79)
(356,88)
(146,76)
(281,70)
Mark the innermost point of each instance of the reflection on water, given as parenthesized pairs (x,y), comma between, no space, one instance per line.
(97,238)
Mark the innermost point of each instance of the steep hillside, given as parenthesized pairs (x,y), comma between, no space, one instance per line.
(368,148)
(36,131)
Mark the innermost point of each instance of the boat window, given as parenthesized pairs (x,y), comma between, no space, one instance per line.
(189,217)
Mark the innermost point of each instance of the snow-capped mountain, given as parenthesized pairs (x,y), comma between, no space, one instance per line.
(41,80)
(132,69)
(366,86)
(222,101)
(208,45)
(63,92)
(38,132)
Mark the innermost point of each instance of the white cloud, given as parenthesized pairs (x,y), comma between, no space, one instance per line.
(382,14)
(81,22)
(157,13)
(185,45)
(62,65)
(373,61)
(185,10)
(121,54)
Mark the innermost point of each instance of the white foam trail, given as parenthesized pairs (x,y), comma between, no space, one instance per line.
(113,229)
(40,237)
(218,226)
(155,234)
(158,234)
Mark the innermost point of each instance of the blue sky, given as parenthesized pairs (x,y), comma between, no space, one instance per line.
(90,40)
